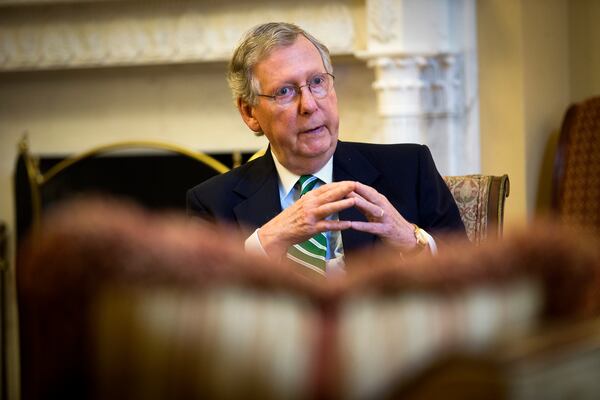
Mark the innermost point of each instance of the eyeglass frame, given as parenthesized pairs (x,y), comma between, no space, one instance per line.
(298,89)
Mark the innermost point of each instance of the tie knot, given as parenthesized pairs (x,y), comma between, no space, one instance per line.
(307,183)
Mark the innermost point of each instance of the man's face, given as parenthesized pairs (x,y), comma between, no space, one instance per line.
(303,134)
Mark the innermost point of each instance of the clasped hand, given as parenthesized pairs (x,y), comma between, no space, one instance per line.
(307,216)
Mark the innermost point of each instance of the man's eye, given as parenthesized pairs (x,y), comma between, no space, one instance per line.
(317,80)
(285,91)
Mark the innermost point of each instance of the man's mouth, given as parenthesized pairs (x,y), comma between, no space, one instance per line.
(316,129)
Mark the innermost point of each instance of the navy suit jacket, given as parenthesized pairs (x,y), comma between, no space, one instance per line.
(248,196)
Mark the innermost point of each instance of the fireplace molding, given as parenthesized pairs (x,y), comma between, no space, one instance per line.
(61,35)
(423,54)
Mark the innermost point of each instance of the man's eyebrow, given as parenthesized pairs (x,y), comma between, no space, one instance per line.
(301,82)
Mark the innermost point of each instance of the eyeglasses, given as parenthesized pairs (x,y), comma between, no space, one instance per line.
(319,85)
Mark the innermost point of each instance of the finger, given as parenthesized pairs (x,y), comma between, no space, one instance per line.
(333,191)
(376,228)
(366,207)
(333,186)
(325,226)
(368,193)
(327,209)
(329,225)
(369,209)
(362,200)
(355,195)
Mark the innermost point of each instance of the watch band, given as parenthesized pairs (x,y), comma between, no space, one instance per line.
(422,241)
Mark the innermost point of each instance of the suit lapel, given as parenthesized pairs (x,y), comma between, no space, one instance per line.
(350,164)
(260,188)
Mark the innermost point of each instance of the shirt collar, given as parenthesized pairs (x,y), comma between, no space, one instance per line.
(288,179)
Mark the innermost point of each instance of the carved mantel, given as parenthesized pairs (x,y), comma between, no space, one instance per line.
(97,34)
(423,57)
(420,61)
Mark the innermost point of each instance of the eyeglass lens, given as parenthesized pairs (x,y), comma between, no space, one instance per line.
(319,85)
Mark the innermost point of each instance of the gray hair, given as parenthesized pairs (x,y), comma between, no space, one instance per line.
(258,44)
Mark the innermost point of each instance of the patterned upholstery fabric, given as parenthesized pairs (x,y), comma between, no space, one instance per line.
(577,178)
(470,193)
(480,200)
(119,303)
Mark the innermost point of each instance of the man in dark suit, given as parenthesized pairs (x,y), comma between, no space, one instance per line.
(310,186)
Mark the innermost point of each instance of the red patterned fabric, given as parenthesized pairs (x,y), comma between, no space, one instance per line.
(119,303)
(578,163)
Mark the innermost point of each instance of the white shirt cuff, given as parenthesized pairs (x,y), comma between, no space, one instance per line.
(431,242)
(252,245)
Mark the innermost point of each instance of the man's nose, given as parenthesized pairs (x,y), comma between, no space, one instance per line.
(308,104)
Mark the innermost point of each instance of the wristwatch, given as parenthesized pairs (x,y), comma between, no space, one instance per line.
(421,237)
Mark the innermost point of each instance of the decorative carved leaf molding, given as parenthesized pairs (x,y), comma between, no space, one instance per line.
(97,34)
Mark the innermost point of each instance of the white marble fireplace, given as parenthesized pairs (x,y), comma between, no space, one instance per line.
(407,69)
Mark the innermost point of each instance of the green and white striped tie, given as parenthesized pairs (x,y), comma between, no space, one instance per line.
(313,252)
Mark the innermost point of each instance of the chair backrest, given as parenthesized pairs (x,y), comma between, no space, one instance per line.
(121,303)
(576,186)
(480,200)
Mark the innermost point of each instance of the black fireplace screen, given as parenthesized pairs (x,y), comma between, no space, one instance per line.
(156,180)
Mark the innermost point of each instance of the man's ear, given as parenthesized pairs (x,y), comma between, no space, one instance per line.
(247,113)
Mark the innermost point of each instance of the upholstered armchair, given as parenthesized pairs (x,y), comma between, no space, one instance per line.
(480,200)
(576,186)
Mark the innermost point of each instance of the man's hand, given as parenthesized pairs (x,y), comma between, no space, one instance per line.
(383,218)
(306,217)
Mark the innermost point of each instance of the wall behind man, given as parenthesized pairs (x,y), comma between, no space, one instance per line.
(535,58)
(584,54)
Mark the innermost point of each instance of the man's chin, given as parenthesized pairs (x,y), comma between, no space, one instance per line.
(316,150)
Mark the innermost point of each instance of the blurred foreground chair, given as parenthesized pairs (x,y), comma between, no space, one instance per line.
(480,200)
(576,185)
(153,174)
(121,303)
